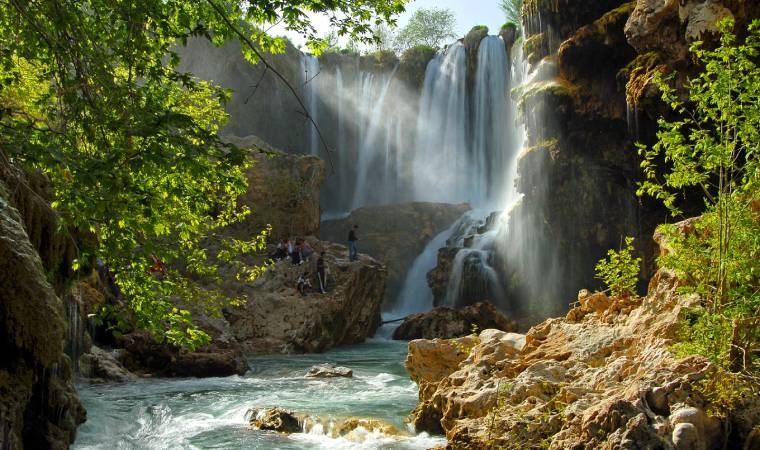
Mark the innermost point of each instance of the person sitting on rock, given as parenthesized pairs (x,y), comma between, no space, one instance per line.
(303,283)
(321,269)
(295,254)
(281,252)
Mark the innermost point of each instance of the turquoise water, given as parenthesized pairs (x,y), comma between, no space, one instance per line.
(210,413)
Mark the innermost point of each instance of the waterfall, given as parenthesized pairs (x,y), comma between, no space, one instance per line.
(491,130)
(440,169)
(310,66)
(376,142)
(416,296)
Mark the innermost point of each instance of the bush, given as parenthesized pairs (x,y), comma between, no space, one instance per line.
(620,271)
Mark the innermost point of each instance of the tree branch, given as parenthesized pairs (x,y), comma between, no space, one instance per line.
(282,78)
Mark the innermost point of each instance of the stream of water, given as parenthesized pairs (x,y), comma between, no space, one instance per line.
(210,413)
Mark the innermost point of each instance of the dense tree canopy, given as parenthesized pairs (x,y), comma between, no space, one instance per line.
(431,27)
(91,97)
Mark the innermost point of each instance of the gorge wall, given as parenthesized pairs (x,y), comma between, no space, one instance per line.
(39,407)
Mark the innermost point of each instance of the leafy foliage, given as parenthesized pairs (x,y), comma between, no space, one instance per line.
(620,271)
(91,97)
(513,10)
(713,147)
(430,27)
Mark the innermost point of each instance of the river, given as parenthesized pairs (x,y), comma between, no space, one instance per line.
(210,413)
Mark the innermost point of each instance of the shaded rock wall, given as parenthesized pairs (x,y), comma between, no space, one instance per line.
(394,234)
(39,407)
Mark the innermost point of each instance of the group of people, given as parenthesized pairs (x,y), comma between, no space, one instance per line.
(298,252)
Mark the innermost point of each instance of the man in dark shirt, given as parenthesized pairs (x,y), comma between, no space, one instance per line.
(352,252)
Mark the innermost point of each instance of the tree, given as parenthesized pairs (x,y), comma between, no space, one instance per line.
(513,10)
(431,27)
(91,97)
(713,146)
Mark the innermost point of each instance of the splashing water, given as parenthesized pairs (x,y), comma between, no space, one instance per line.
(210,413)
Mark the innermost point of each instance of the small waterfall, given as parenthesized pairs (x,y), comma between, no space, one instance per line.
(310,66)
(441,148)
(76,330)
(416,296)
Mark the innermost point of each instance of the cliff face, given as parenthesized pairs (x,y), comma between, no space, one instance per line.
(39,407)
(602,377)
(283,191)
(394,234)
(591,100)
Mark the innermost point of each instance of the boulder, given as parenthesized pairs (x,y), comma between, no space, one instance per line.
(394,234)
(274,419)
(329,371)
(222,357)
(104,366)
(446,323)
(277,319)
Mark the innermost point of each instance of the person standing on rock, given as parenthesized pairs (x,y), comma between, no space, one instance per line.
(352,252)
(321,273)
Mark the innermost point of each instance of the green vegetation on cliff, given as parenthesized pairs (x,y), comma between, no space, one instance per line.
(712,148)
(91,97)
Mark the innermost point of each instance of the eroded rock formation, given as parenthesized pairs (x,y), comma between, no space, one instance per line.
(39,407)
(602,377)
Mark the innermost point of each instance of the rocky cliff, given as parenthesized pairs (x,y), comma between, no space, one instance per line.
(38,404)
(602,377)
(283,191)
(278,319)
(394,234)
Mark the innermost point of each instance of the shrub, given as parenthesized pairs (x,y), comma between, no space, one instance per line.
(620,271)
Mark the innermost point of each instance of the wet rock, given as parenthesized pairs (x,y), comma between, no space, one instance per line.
(39,407)
(143,355)
(329,371)
(446,323)
(394,234)
(275,419)
(101,365)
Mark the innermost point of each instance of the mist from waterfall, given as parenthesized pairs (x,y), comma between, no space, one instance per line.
(460,139)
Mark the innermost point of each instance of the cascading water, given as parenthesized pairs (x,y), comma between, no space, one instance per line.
(376,141)
(492,129)
(311,82)
(440,159)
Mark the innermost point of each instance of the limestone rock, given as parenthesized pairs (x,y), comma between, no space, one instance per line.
(329,371)
(394,234)
(601,378)
(277,319)
(143,355)
(275,419)
(446,323)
